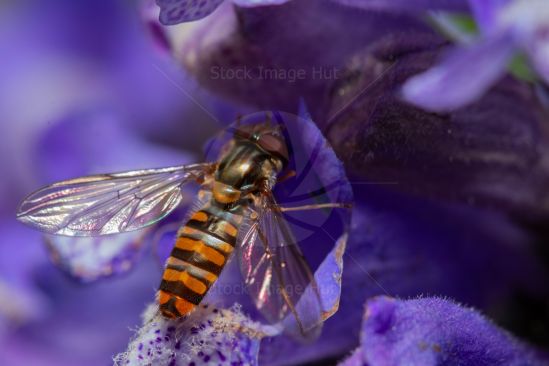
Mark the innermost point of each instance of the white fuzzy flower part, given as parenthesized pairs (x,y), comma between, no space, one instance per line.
(208,336)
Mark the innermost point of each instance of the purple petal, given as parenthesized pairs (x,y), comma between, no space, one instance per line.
(407,247)
(321,234)
(252,3)
(389,147)
(461,78)
(538,49)
(150,14)
(490,154)
(179,11)
(255,57)
(433,331)
(207,336)
(417,6)
(328,278)
(20,301)
(528,22)
(486,12)
(355,359)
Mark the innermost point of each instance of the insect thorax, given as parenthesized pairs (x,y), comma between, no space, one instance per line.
(242,171)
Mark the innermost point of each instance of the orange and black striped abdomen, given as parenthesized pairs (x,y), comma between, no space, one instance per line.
(201,251)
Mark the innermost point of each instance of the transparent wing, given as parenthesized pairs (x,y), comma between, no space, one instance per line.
(276,274)
(108,203)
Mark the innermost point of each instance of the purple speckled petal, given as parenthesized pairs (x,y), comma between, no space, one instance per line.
(432,332)
(417,6)
(461,78)
(207,336)
(179,11)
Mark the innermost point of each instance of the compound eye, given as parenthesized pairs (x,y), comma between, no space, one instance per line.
(274,145)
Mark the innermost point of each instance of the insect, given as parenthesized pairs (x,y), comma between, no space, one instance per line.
(236,211)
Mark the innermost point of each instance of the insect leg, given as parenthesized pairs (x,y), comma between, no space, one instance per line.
(313,206)
(238,121)
(316,193)
(286,176)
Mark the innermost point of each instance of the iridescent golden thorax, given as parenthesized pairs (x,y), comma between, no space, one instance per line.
(254,157)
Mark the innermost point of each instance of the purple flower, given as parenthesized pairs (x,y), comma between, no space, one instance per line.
(405,247)
(488,155)
(225,336)
(252,55)
(433,331)
(179,11)
(507,29)
(110,256)
(209,335)
(435,188)
(229,336)
(408,6)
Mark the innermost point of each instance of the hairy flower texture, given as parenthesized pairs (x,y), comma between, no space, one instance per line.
(208,336)
(179,11)
(434,331)
(508,27)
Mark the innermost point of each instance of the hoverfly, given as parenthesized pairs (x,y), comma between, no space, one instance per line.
(236,210)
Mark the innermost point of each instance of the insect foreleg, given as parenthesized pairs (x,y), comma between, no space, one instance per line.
(289,174)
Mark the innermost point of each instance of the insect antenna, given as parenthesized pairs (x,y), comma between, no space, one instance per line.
(269,119)
(238,121)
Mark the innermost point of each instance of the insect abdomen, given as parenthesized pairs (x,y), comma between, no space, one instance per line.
(201,251)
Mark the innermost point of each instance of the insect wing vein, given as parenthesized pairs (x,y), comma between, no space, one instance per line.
(108,203)
(276,274)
